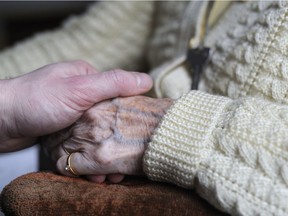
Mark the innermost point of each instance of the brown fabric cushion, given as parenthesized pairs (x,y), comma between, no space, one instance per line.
(50,194)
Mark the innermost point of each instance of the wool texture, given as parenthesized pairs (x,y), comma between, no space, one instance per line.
(233,148)
(109,35)
(228,140)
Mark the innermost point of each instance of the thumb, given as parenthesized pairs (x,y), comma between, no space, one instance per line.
(94,88)
(116,83)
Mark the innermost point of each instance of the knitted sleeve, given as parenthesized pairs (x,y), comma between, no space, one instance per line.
(233,152)
(109,35)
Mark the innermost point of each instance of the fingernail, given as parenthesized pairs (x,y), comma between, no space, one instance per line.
(143,80)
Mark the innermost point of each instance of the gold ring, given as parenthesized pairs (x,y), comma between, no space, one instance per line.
(68,167)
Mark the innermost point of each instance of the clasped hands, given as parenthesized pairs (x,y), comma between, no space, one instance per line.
(95,117)
(109,140)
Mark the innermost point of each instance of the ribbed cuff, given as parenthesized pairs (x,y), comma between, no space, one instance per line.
(184,138)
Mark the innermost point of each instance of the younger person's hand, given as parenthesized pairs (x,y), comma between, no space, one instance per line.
(55,96)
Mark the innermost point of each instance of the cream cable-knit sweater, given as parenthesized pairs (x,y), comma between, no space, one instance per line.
(233,149)
(233,152)
(109,35)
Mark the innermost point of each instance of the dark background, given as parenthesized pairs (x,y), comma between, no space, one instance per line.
(21,19)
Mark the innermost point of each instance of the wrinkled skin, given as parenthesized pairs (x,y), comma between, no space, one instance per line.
(55,96)
(109,139)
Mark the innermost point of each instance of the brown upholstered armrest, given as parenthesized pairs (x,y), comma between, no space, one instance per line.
(50,194)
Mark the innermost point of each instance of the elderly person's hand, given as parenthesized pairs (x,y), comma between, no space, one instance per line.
(55,96)
(109,139)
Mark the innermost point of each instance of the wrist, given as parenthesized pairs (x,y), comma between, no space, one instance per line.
(8,139)
(162,106)
(165,103)
(158,108)
(6,111)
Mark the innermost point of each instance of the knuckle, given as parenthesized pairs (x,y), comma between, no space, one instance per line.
(116,76)
(95,126)
(88,119)
(84,133)
(102,159)
(83,65)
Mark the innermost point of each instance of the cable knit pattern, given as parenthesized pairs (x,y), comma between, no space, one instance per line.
(250,52)
(206,142)
(233,152)
(163,45)
(119,40)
